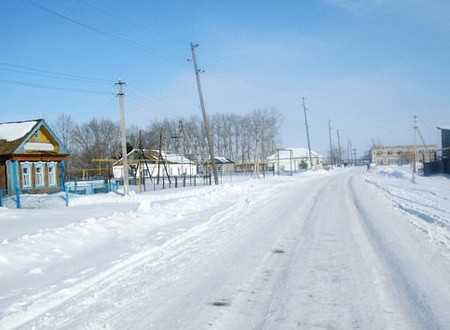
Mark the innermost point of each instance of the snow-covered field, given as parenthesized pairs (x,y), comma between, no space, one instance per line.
(343,249)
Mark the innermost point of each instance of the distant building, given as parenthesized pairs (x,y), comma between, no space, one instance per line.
(32,158)
(445,133)
(149,163)
(293,159)
(224,165)
(400,155)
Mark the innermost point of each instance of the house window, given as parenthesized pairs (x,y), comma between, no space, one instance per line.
(51,174)
(26,174)
(39,174)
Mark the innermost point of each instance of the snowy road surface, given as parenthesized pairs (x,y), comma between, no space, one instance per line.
(344,250)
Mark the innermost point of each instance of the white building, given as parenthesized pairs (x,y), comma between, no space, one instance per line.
(148,164)
(293,159)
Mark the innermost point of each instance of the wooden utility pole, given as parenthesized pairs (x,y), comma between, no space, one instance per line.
(180,134)
(124,138)
(339,148)
(205,117)
(331,144)
(307,134)
(415,143)
(256,169)
(159,154)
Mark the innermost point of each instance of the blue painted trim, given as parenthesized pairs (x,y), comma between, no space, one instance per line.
(62,174)
(15,182)
(18,198)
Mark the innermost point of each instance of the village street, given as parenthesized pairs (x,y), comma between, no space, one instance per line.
(318,251)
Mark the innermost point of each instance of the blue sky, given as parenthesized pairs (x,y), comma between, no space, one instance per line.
(369,65)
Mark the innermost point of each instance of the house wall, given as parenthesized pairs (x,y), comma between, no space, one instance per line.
(295,164)
(152,170)
(3,184)
(14,179)
(399,155)
(446,153)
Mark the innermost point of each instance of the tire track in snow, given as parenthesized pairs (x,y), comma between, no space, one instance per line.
(57,309)
(259,291)
(403,288)
(53,300)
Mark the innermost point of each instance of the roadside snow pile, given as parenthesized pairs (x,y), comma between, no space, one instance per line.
(425,201)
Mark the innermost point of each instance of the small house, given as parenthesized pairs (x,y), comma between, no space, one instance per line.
(293,159)
(150,163)
(224,165)
(32,158)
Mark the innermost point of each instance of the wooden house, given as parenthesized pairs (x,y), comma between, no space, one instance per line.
(32,158)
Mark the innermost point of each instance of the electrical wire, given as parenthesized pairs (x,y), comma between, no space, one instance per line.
(50,74)
(104,12)
(104,33)
(62,89)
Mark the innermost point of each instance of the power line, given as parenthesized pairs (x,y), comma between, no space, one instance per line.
(50,74)
(132,23)
(156,98)
(62,89)
(106,34)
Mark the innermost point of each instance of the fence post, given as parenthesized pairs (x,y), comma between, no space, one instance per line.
(18,198)
(66,190)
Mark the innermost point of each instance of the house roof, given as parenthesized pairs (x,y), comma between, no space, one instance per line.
(220,160)
(15,137)
(296,153)
(152,157)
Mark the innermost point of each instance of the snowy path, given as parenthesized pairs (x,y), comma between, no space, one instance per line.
(320,252)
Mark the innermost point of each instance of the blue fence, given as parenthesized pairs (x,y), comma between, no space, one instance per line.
(71,187)
(91,187)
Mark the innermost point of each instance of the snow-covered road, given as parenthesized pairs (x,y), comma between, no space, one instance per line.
(334,250)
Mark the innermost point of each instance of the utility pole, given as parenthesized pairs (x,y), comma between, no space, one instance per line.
(307,134)
(180,134)
(339,147)
(415,148)
(205,117)
(159,154)
(121,95)
(256,170)
(331,144)
(349,154)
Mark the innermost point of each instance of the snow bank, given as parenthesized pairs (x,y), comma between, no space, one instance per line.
(423,200)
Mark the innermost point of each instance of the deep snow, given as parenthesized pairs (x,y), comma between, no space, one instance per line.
(342,249)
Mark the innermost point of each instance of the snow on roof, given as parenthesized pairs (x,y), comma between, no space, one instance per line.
(296,153)
(174,158)
(223,160)
(13,131)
